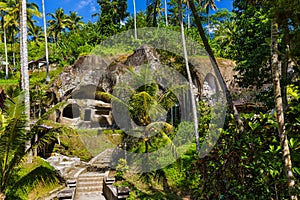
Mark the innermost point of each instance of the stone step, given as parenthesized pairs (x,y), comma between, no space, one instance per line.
(92,174)
(66,194)
(89,196)
(87,184)
(84,178)
(89,189)
(71,183)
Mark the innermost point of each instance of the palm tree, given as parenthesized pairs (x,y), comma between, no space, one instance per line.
(153,9)
(208,4)
(284,143)
(12,19)
(194,107)
(11,24)
(188,13)
(147,107)
(134,19)
(46,42)
(59,23)
(166,13)
(14,135)
(75,21)
(36,33)
(207,47)
(3,8)
(24,66)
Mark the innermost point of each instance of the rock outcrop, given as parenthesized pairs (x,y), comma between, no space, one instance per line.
(83,85)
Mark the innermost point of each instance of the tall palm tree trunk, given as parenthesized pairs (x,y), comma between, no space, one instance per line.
(280,113)
(24,66)
(46,43)
(166,13)
(5,44)
(134,19)
(216,67)
(194,107)
(188,14)
(5,49)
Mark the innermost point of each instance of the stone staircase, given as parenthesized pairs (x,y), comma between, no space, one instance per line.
(89,186)
(89,183)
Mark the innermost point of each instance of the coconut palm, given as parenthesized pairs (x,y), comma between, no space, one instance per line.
(46,42)
(134,19)
(35,33)
(166,13)
(189,76)
(58,23)
(207,5)
(75,21)
(153,10)
(24,66)
(12,19)
(145,123)
(216,67)
(14,135)
(188,13)
(3,8)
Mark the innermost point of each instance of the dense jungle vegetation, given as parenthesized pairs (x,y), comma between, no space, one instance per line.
(257,155)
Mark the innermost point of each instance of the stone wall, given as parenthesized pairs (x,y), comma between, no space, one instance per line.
(112,192)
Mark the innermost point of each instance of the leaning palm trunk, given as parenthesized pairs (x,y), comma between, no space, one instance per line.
(194,107)
(216,68)
(24,67)
(280,113)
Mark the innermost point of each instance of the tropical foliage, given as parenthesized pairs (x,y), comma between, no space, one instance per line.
(262,37)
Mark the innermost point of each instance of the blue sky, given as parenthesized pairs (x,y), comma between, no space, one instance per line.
(86,8)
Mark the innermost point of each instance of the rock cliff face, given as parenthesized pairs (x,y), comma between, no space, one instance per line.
(82,84)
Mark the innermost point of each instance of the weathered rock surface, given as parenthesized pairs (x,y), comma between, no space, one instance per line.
(83,84)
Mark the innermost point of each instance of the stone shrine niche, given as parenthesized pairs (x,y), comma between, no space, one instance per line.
(71,111)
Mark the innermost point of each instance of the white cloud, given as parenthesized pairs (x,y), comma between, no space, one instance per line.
(86,3)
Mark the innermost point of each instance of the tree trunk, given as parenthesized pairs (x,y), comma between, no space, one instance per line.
(155,13)
(166,13)
(24,68)
(279,109)
(46,43)
(188,14)
(134,19)
(194,107)
(5,49)
(216,68)
(285,64)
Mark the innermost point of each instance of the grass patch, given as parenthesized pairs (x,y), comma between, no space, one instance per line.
(5,84)
(33,180)
(151,190)
(72,145)
(96,141)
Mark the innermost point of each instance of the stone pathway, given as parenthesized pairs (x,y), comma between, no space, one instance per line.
(89,186)
(83,179)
